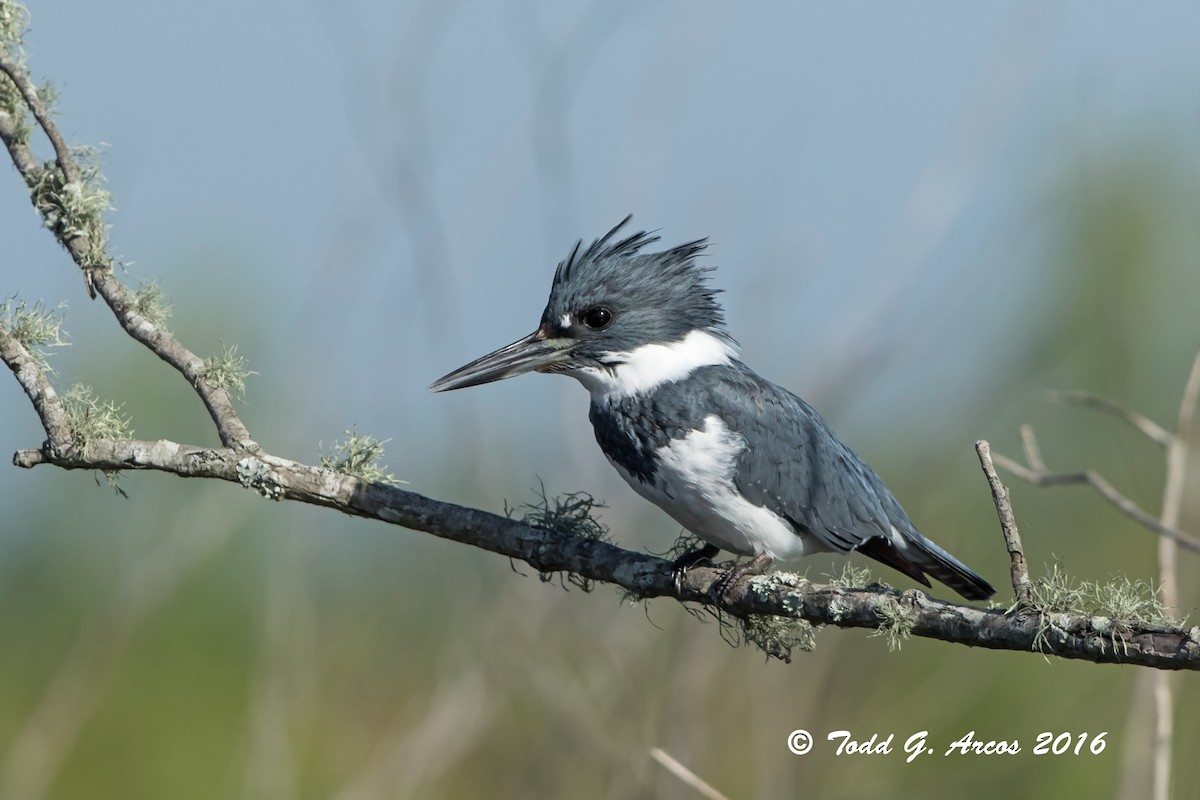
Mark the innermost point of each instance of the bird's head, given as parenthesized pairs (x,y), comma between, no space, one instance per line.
(616,317)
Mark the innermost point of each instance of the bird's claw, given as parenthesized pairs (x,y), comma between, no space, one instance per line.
(681,565)
(730,577)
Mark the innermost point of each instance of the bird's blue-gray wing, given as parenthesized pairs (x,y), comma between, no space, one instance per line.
(796,466)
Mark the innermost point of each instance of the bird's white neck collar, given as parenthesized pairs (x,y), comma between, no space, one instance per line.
(645,368)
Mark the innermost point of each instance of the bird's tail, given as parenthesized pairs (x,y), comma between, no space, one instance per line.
(917,556)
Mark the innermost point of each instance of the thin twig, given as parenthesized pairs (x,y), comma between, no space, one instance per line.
(159,341)
(1008,523)
(1040,477)
(686,775)
(45,121)
(1152,430)
(1033,453)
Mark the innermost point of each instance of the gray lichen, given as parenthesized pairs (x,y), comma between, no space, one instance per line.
(254,473)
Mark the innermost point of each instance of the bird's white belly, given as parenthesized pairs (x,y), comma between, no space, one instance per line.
(693,482)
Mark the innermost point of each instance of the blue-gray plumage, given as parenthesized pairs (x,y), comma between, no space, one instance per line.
(744,464)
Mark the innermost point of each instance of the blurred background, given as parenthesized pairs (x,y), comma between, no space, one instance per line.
(923,217)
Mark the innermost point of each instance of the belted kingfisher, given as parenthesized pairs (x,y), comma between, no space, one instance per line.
(742,463)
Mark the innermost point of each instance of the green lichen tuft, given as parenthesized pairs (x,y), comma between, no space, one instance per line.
(76,210)
(92,418)
(1057,593)
(896,622)
(359,456)
(850,577)
(14,19)
(148,301)
(228,370)
(776,636)
(1130,601)
(1116,606)
(12,104)
(36,327)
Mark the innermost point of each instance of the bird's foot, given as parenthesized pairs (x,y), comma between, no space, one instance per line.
(755,566)
(681,565)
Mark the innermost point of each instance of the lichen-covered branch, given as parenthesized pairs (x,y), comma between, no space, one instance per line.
(72,210)
(38,389)
(1092,638)
(159,340)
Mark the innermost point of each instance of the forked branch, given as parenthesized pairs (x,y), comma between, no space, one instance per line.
(1037,474)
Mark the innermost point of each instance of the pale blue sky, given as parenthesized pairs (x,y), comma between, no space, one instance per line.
(368,194)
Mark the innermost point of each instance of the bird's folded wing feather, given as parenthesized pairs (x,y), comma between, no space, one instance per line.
(796,466)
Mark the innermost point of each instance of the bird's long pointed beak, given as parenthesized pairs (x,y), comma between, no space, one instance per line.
(535,352)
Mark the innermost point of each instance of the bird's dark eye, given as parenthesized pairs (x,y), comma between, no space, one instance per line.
(597,318)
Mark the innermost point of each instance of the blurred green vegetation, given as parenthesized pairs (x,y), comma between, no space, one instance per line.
(226,646)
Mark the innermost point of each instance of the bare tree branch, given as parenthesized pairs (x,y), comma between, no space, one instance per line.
(1039,476)
(1008,523)
(1151,429)
(1033,453)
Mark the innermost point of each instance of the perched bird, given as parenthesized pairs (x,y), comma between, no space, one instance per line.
(742,463)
